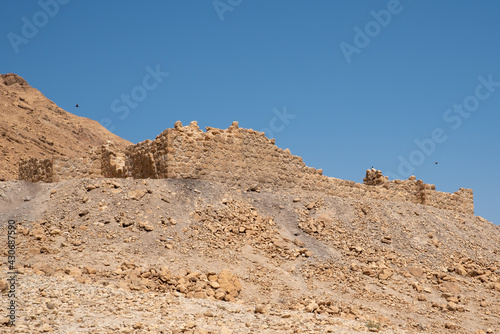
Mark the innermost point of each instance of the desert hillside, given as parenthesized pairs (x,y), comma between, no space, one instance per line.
(33,126)
(192,256)
(223,232)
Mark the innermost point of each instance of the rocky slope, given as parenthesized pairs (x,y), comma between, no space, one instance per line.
(193,256)
(33,126)
(187,256)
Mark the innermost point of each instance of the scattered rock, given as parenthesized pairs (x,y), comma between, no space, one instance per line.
(460,270)
(451,306)
(310,205)
(73,271)
(416,271)
(90,187)
(451,287)
(83,213)
(127,223)
(311,307)
(146,226)
(89,270)
(421,298)
(386,239)
(385,274)
(137,194)
(262,309)
(451,325)
(229,283)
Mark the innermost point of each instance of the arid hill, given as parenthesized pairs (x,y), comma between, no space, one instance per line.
(194,256)
(222,232)
(33,126)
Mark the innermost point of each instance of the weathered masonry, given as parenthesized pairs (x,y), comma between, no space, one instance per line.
(235,156)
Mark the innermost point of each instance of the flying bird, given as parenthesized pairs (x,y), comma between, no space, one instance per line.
(435,162)
(76,105)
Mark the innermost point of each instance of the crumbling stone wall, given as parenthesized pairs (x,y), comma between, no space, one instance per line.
(35,170)
(416,191)
(374,177)
(54,169)
(111,160)
(58,168)
(238,157)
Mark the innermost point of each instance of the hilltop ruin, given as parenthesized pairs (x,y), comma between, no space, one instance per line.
(237,157)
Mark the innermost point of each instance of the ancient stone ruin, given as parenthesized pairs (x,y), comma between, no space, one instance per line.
(237,157)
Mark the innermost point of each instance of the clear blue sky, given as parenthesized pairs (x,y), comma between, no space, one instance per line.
(345,84)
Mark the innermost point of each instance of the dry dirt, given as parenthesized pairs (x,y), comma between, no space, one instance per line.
(191,256)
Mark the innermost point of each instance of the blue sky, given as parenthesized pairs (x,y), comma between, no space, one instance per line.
(346,85)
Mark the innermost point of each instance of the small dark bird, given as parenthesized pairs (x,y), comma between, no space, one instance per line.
(76,105)
(435,162)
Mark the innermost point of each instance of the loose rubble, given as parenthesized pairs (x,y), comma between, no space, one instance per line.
(191,256)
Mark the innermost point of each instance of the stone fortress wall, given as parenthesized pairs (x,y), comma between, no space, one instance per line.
(234,156)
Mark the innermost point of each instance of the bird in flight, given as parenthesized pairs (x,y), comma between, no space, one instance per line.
(76,105)
(435,162)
